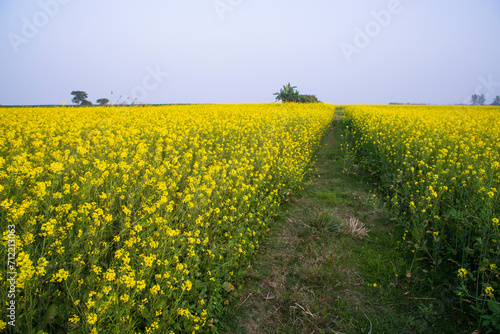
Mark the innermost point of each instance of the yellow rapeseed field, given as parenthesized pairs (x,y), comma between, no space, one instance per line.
(440,168)
(139,219)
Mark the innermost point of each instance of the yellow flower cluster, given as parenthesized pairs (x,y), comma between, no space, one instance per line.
(489,291)
(138,215)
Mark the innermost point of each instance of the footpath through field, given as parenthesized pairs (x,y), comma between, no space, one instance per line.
(329,265)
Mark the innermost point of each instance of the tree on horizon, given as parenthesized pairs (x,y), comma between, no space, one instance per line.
(103,101)
(496,101)
(79,96)
(478,100)
(287,94)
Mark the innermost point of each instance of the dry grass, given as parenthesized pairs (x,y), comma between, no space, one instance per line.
(354,227)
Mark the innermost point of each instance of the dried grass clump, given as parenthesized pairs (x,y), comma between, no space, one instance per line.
(354,227)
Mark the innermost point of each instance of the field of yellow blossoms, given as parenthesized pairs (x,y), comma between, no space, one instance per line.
(139,219)
(440,168)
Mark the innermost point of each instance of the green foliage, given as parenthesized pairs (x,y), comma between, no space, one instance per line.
(287,94)
(307,99)
(79,96)
(496,101)
(102,101)
(478,100)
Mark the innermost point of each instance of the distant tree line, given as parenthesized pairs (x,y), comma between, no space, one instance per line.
(480,100)
(288,93)
(80,98)
(476,100)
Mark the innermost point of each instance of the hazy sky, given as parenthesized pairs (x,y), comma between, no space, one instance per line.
(235,51)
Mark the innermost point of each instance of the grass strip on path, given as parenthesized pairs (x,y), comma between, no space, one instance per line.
(330,264)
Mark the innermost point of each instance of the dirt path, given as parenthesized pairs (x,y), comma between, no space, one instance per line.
(316,274)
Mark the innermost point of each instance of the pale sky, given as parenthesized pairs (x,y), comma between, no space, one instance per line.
(242,51)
